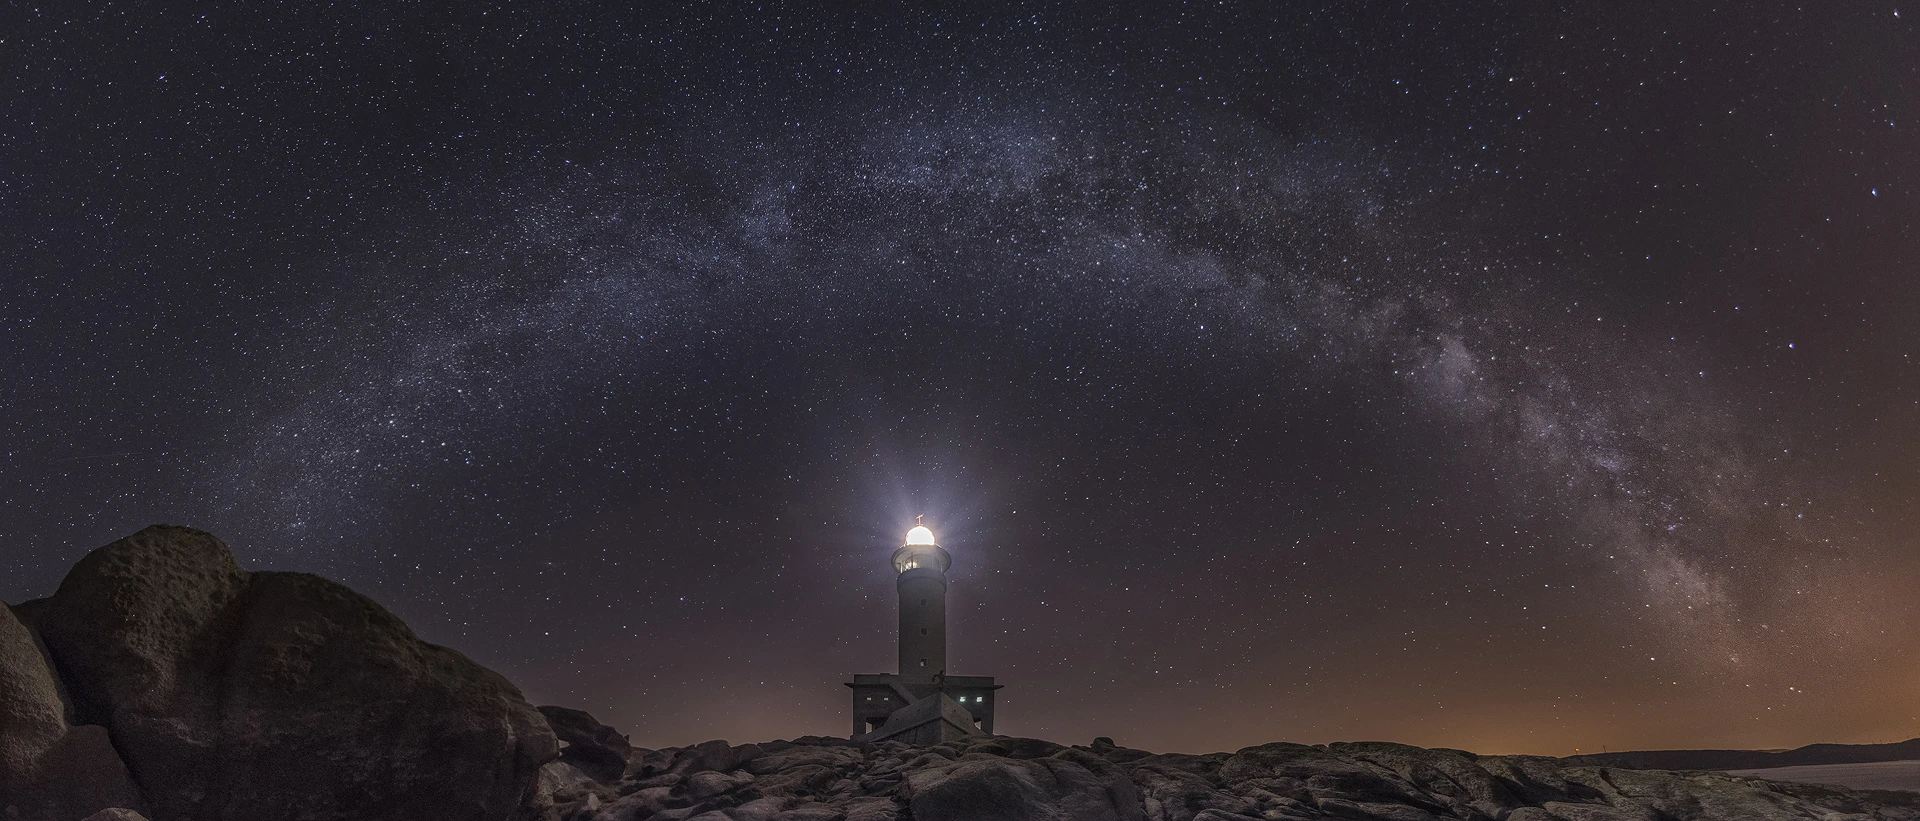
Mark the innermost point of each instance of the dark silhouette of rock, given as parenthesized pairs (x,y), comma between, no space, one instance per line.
(48,769)
(713,755)
(116,814)
(1811,754)
(235,695)
(596,749)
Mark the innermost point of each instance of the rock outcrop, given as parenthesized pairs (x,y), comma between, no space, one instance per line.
(116,814)
(598,750)
(1810,755)
(235,695)
(49,768)
(1011,779)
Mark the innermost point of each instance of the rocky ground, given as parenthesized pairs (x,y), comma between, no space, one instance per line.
(1017,779)
(161,681)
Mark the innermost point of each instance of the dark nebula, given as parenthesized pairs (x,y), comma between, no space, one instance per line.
(1494,376)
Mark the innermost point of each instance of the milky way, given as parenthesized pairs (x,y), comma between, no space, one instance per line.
(1346,405)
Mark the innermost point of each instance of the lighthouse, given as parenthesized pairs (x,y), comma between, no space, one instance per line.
(922,583)
(921,703)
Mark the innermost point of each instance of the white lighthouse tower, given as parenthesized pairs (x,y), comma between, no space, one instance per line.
(922,583)
(921,704)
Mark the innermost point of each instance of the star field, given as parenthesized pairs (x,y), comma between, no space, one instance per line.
(1502,377)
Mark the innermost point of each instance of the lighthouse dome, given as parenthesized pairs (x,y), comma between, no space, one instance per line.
(919,535)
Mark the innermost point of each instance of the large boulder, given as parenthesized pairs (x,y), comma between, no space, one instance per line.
(1170,792)
(1451,778)
(990,788)
(49,771)
(594,748)
(235,695)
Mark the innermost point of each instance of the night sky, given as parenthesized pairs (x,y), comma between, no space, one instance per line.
(1503,377)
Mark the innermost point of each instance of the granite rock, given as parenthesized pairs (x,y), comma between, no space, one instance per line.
(235,695)
(1013,779)
(49,769)
(595,748)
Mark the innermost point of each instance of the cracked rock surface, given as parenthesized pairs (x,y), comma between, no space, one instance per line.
(240,696)
(1019,779)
